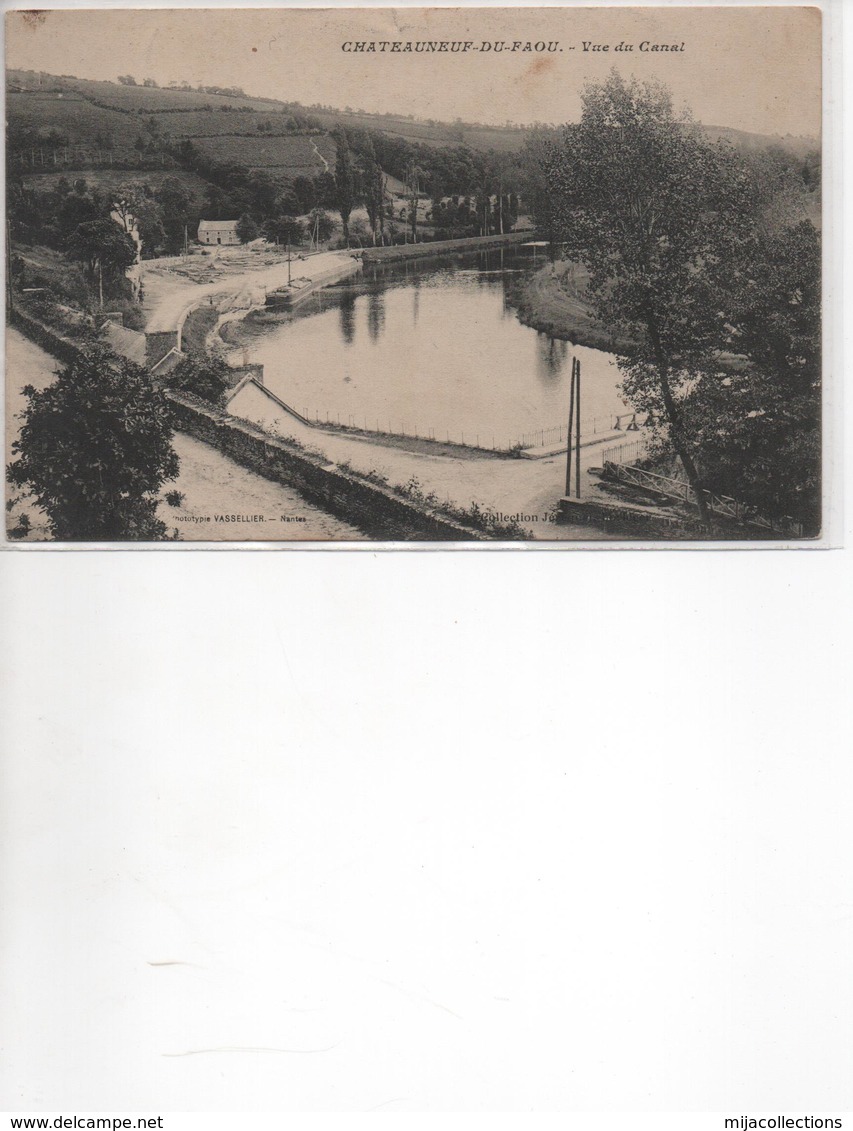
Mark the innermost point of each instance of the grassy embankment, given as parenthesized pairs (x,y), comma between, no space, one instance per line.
(552,301)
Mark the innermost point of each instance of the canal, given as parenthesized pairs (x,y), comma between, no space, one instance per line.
(431,347)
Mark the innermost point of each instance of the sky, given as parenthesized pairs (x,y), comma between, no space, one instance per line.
(751,68)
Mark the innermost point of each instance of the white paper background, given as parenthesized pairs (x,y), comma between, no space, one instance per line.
(473,832)
(531,831)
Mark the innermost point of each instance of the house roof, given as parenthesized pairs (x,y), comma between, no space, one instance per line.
(217,225)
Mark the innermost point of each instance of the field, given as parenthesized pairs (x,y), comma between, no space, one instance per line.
(232,129)
(427,133)
(296,155)
(799,146)
(204,123)
(74,119)
(139,99)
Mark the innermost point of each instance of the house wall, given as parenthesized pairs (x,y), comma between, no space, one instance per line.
(223,236)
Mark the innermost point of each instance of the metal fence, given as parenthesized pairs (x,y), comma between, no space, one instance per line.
(625,453)
(484,439)
(590,426)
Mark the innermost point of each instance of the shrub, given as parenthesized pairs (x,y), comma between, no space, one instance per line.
(207,377)
(95,447)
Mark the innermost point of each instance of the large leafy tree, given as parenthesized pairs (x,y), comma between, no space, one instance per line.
(284,229)
(175,202)
(344,181)
(374,190)
(105,250)
(247,230)
(661,218)
(94,448)
(759,428)
(149,224)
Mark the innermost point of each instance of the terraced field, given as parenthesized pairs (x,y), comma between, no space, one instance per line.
(143,99)
(226,135)
(435,134)
(203,123)
(296,155)
(72,117)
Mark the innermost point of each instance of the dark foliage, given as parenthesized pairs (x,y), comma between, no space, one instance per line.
(94,448)
(207,377)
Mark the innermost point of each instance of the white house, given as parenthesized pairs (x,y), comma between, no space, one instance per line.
(218,232)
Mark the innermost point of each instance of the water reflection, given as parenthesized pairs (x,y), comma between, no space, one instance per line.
(375,314)
(416,300)
(434,343)
(347,316)
(551,355)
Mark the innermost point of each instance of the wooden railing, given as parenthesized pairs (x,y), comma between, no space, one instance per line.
(723,506)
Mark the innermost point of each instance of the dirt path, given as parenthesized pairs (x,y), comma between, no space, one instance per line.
(211,483)
(225,502)
(528,489)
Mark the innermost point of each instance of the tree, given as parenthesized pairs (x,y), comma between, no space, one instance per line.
(208,377)
(303,188)
(325,190)
(149,224)
(414,176)
(286,229)
(218,206)
(247,229)
(105,251)
(344,182)
(321,224)
(374,190)
(174,199)
(287,203)
(262,191)
(94,448)
(661,218)
(758,427)
(75,209)
(125,201)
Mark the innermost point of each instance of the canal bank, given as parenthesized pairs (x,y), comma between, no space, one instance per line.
(552,302)
(398,252)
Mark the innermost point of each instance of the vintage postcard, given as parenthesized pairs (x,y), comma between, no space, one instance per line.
(461,275)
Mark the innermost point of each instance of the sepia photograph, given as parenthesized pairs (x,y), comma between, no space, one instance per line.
(329,782)
(464,275)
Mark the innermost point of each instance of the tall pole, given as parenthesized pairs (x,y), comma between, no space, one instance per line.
(578,434)
(288,264)
(9,296)
(571,426)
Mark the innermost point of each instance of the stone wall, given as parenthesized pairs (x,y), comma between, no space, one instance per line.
(652,526)
(49,340)
(376,509)
(439,247)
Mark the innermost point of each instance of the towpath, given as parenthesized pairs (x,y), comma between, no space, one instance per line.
(174,287)
(529,489)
